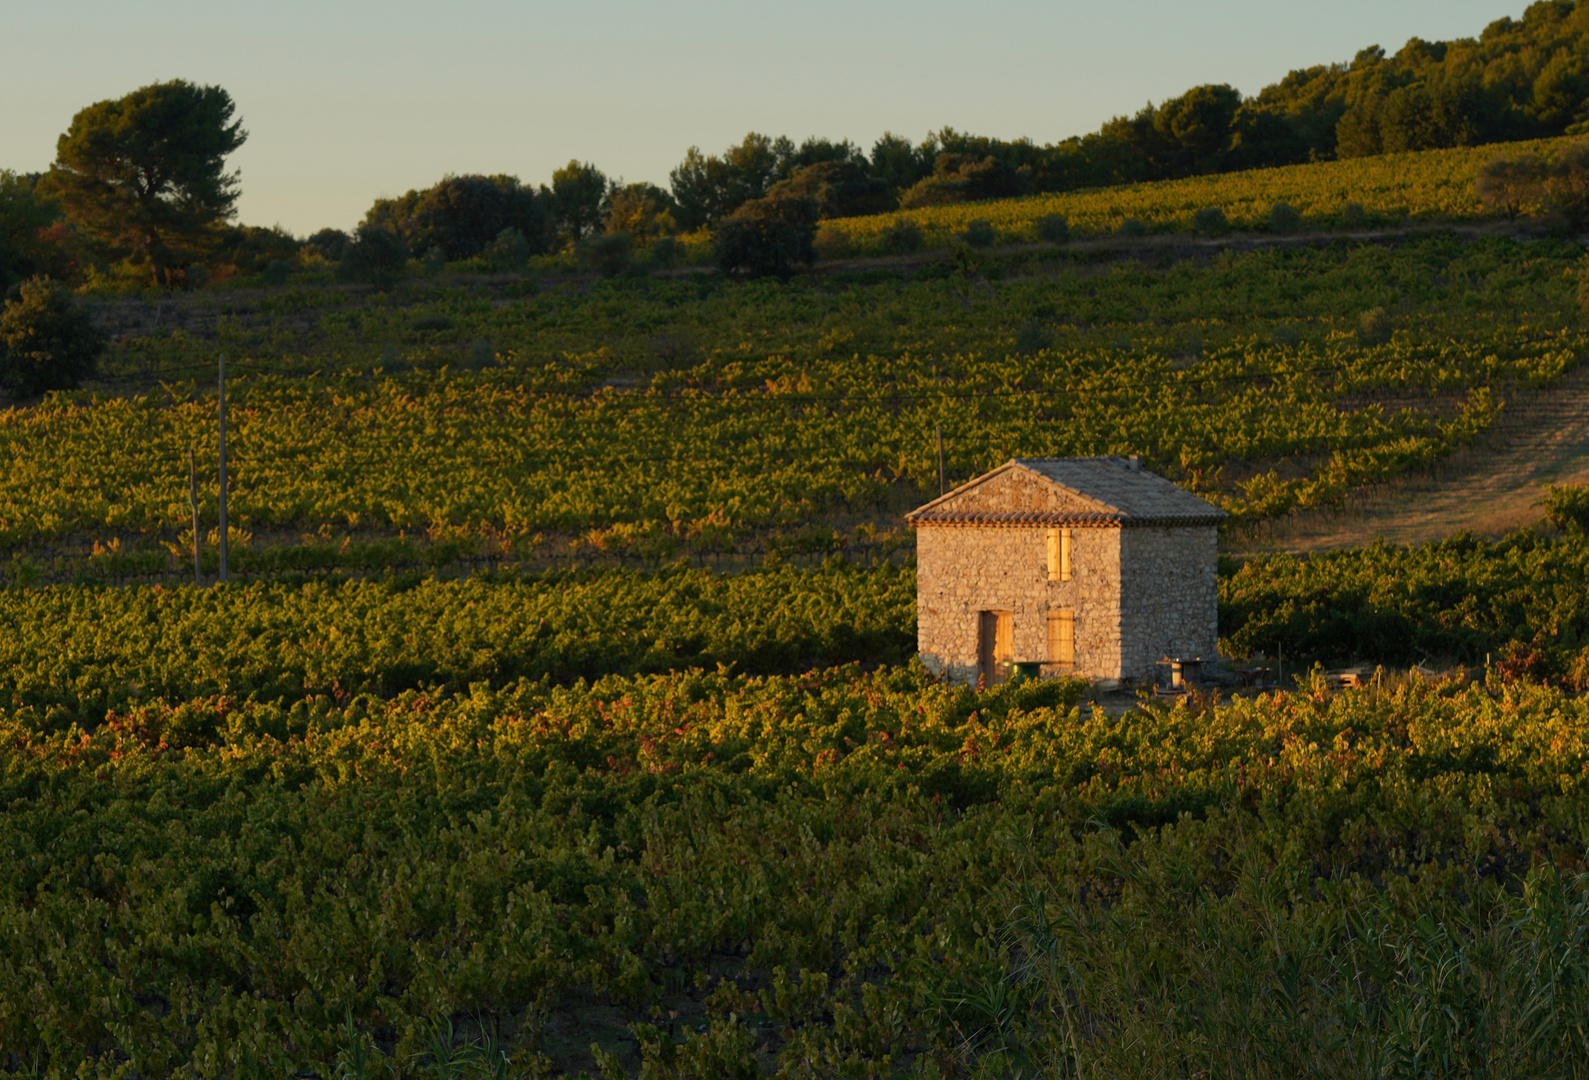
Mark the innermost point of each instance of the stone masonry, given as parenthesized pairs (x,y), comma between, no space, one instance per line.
(1123,559)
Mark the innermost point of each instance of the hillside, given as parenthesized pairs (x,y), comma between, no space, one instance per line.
(514,416)
(1372,192)
(560,716)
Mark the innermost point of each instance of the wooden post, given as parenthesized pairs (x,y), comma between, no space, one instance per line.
(222,408)
(942,486)
(193,502)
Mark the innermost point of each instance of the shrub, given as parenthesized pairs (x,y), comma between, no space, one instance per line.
(979,233)
(47,342)
(960,178)
(1567,507)
(609,254)
(902,237)
(196,276)
(1283,218)
(1053,228)
(375,256)
(832,242)
(509,251)
(276,273)
(1352,213)
(327,244)
(1508,183)
(434,262)
(1209,221)
(481,354)
(666,251)
(1373,327)
(1132,227)
(1566,184)
(1286,335)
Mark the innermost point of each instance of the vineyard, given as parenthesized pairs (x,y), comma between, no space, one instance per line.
(801,419)
(561,719)
(827,874)
(1386,190)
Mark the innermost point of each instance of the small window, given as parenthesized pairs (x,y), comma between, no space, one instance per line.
(1058,554)
(1062,638)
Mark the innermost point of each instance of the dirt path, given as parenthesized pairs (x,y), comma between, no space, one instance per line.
(1488,489)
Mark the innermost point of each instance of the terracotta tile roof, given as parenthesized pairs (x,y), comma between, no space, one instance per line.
(1125,493)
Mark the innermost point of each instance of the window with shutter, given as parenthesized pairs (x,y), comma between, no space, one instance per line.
(1058,554)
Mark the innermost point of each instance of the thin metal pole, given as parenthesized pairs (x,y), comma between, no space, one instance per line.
(193,501)
(223,464)
(943,487)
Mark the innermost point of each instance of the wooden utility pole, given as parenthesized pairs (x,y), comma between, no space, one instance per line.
(193,502)
(942,486)
(223,464)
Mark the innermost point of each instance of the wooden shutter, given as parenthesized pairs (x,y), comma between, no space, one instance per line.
(1062,637)
(1058,554)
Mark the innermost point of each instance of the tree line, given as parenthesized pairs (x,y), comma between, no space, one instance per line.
(139,188)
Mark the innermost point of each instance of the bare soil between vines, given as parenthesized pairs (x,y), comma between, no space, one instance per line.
(1490,488)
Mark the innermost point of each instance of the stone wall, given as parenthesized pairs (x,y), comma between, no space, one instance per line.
(1169,605)
(964,570)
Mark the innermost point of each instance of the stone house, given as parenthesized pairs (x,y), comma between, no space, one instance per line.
(1089,566)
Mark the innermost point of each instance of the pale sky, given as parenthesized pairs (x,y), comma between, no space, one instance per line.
(347,101)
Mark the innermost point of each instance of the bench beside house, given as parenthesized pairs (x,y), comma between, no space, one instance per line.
(1089,566)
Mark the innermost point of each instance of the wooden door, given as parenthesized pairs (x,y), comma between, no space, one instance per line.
(995,646)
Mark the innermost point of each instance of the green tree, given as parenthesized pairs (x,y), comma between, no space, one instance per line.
(251,248)
(47,342)
(579,199)
(1197,128)
(145,177)
(708,189)
(842,188)
(25,214)
(375,256)
(898,162)
(768,236)
(327,244)
(644,211)
(1561,92)
(464,215)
